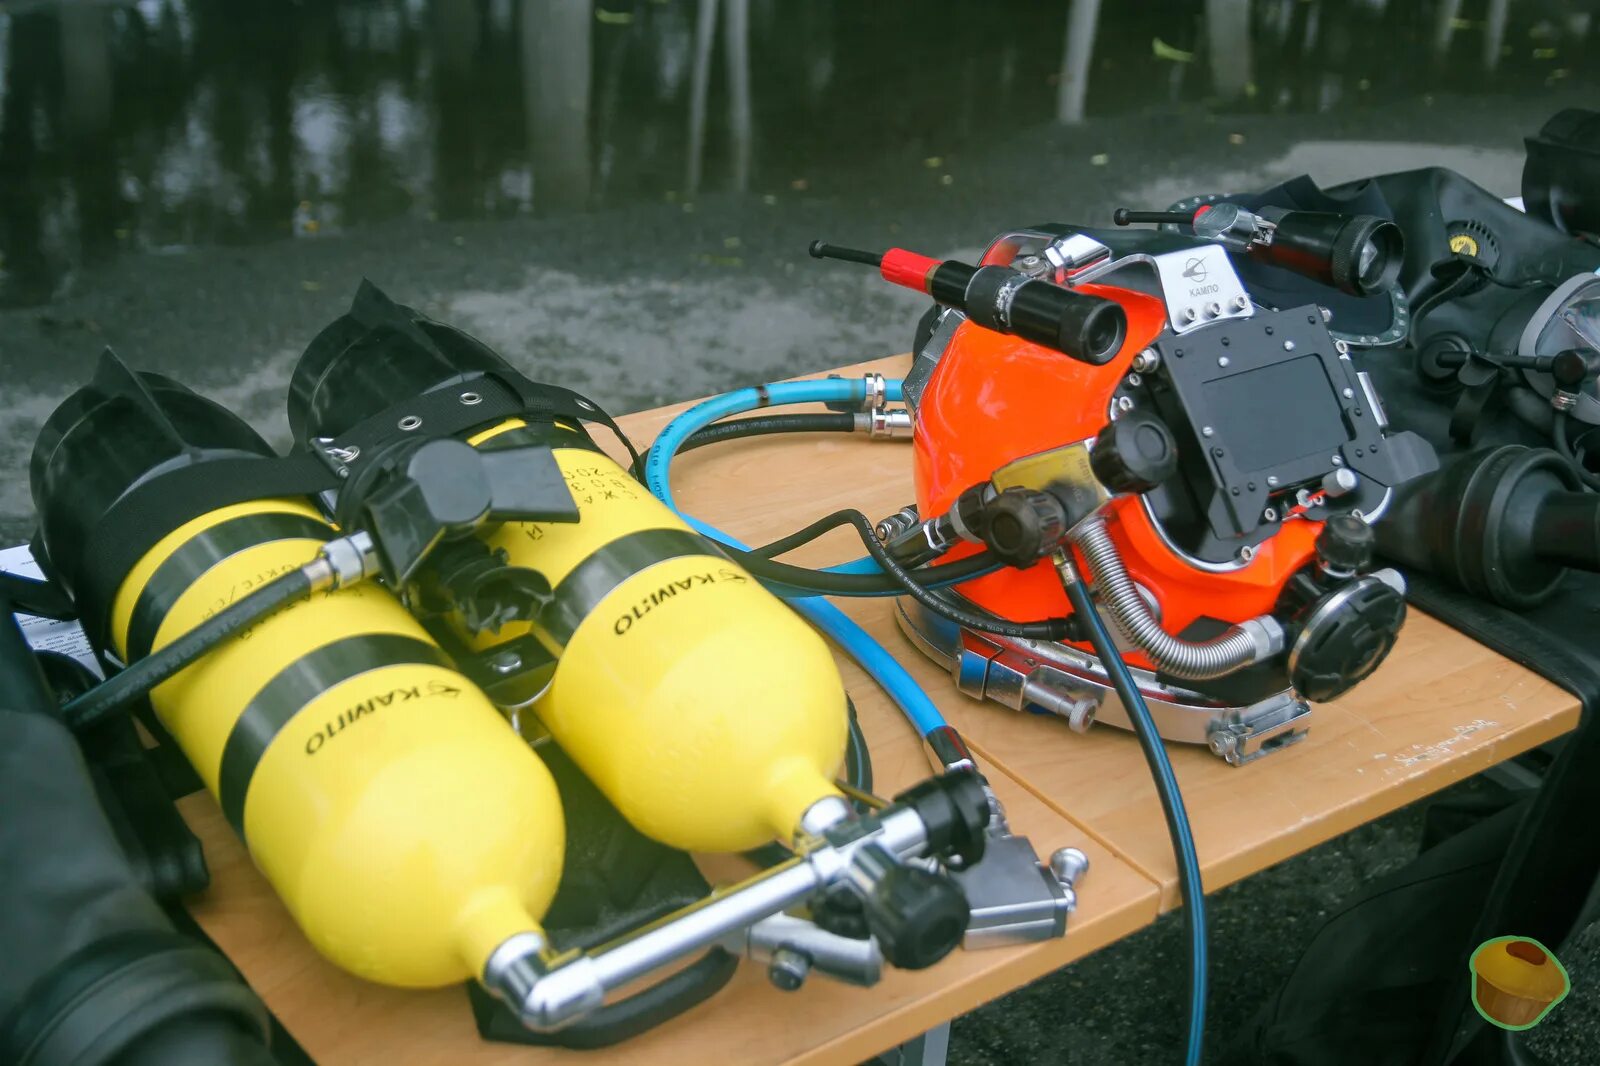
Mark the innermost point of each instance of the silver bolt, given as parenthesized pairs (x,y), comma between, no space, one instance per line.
(1269,515)
(1124,403)
(1081,716)
(1338,460)
(470,399)
(1189,314)
(1288,346)
(1213,309)
(409,423)
(788,969)
(1241,302)
(1134,380)
(1223,361)
(1272,479)
(1146,361)
(1207,431)
(1342,347)
(1068,865)
(507,662)
(1223,743)
(1348,393)
(1247,553)
(1327,314)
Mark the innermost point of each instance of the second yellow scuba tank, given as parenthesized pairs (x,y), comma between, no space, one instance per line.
(709,713)
(407,827)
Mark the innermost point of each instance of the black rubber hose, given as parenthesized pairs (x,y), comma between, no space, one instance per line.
(784,545)
(857,757)
(1048,629)
(761,425)
(143,676)
(828,583)
(1564,447)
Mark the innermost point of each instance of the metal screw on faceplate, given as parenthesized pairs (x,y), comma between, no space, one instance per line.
(1241,302)
(1207,431)
(1222,360)
(1189,314)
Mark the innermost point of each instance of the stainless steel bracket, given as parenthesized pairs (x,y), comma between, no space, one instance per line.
(1043,677)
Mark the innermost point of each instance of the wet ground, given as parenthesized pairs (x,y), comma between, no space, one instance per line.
(618,196)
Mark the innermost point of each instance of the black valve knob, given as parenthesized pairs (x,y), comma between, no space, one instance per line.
(1135,453)
(1572,368)
(917,916)
(1346,544)
(1022,526)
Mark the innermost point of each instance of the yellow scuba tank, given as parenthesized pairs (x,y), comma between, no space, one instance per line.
(406,826)
(707,712)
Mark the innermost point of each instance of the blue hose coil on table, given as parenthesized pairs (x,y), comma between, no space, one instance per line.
(901,687)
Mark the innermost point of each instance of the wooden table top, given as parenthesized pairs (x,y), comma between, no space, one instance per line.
(1441,708)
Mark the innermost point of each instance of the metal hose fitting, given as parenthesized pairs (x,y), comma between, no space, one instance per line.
(1248,642)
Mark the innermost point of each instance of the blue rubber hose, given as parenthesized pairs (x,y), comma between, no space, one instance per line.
(1155,753)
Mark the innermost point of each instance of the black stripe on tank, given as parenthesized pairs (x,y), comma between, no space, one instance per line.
(200,553)
(547,433)
(296,685)
(593,579)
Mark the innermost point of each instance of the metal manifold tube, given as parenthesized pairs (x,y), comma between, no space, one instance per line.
(1248,642)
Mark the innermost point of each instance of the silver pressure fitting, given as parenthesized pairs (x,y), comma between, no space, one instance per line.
(877,392)
(883,423)
(344,561)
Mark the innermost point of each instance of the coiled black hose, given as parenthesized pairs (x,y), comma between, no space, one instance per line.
(762,425)
(829,583)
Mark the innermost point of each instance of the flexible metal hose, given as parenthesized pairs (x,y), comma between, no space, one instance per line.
(1240,646)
